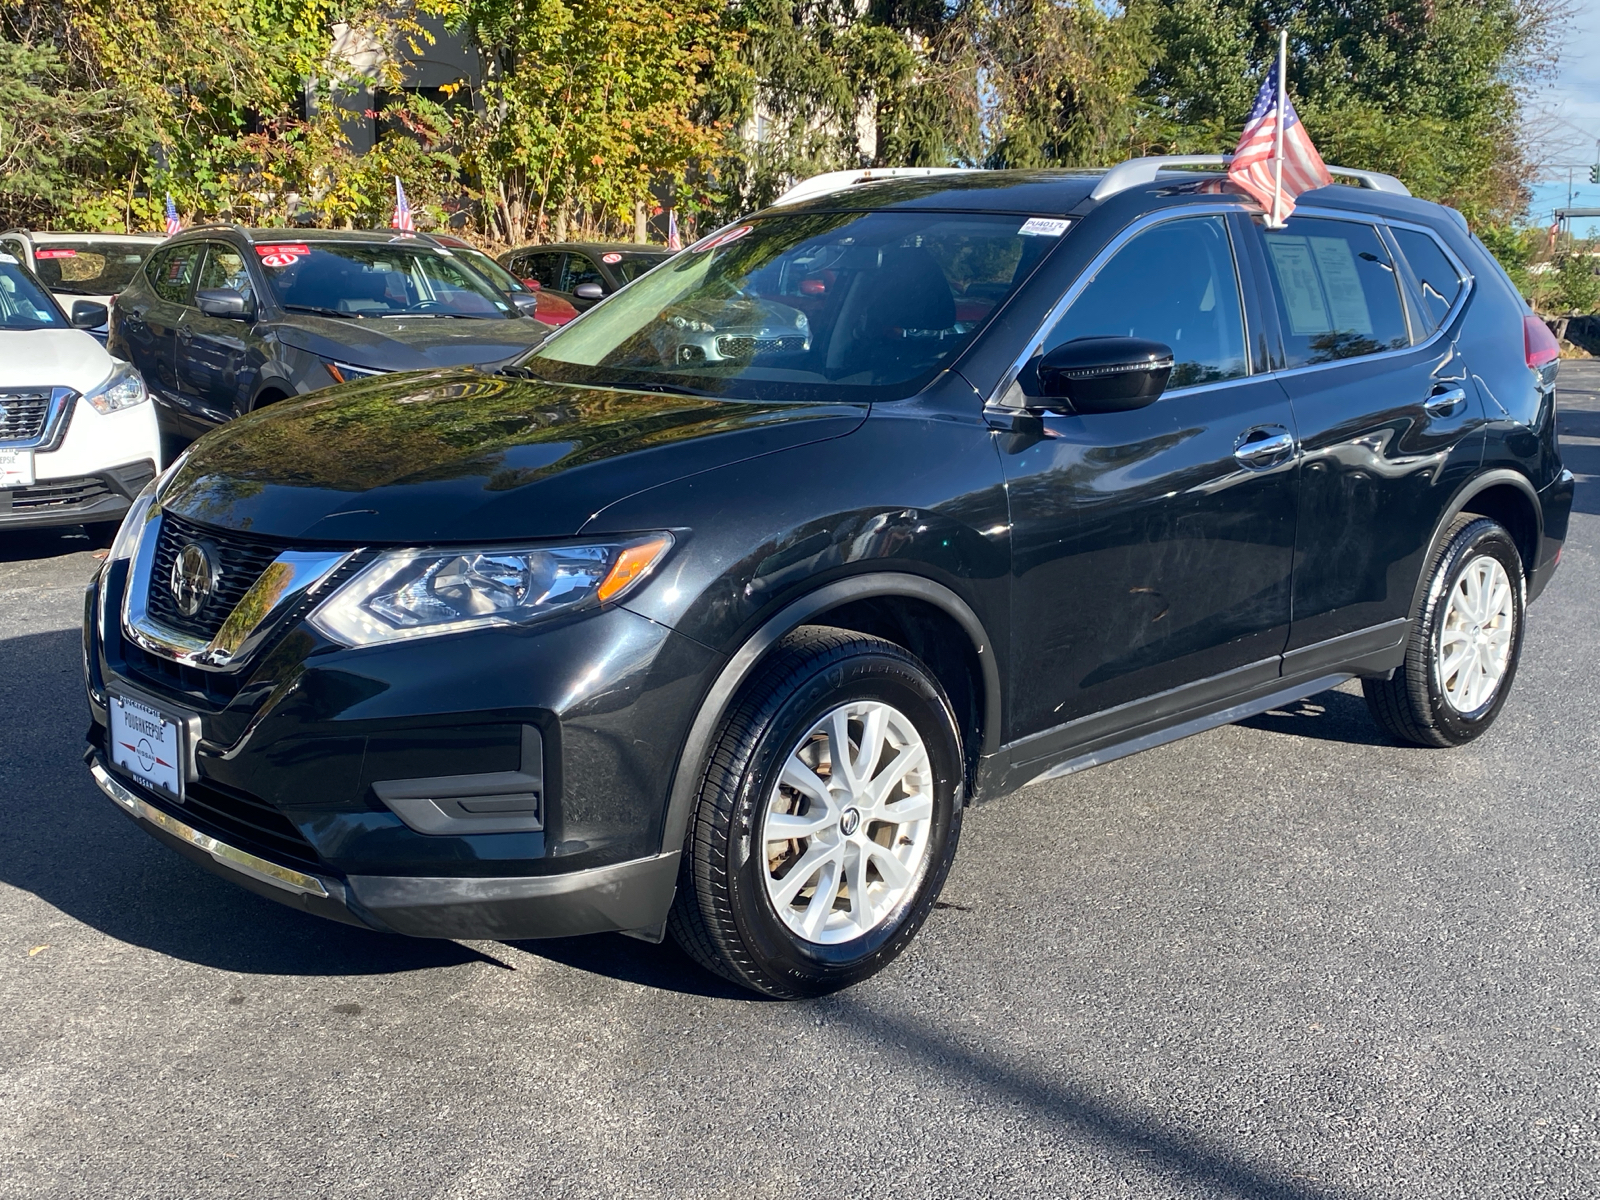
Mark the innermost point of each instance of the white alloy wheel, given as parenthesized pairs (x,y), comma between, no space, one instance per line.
(847,826)
(1476,634)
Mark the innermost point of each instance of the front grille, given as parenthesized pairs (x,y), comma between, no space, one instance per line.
(60,493)
(749,347)
(249,823)
(239,558)
(22,414)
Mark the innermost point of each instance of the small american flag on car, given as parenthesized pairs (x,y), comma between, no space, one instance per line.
(173,224)
(402,210)
(1275,160)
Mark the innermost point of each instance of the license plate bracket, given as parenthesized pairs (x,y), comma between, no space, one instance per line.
(147,744)
(16,468)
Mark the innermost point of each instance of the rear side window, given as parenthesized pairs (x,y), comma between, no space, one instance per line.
(541,269)
(1438,280)
(1337,291)
(171,271)
(1174,283)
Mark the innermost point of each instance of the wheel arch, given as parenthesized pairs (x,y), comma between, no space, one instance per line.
(1503,495)
(919,614)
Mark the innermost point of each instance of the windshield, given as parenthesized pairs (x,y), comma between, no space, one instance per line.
(798,307)
(23,303)
(89,269)
(491,270)
(376,280)
(631,265)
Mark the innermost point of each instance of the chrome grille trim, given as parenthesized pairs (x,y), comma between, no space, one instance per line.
(35,417)
(282,585)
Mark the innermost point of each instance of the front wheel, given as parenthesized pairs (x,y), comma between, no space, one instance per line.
(827,820)
(1466,640)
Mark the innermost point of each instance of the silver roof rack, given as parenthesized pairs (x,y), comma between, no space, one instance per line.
(1137,171)
(838,181)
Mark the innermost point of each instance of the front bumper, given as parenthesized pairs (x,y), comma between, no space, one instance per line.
(630,896)
(304,759)
(75,500)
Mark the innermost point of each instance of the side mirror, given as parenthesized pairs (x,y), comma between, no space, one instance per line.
(527,303)
(533,284)
(88,314)
(1106,374)
(222,302)
(589,291)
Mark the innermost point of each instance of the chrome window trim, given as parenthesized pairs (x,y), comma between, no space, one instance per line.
(288,579)
(56,418)
(998,399)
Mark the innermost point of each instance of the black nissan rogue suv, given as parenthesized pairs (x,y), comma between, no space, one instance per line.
(711,614)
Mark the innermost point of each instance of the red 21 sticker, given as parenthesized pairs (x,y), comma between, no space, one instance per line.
(613,257)
(279,260)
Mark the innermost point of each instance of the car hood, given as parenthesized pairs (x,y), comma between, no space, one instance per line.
(52,358)
(455,456)
(411,343)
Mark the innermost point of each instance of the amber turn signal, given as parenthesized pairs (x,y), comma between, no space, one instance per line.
(632,564)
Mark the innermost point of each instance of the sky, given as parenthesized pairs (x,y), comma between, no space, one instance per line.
(1565,118)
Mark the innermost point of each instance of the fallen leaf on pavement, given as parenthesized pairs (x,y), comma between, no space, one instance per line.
(36,950)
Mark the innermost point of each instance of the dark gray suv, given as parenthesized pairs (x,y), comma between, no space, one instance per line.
(224,320)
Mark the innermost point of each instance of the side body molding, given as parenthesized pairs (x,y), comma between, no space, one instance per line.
(697,746)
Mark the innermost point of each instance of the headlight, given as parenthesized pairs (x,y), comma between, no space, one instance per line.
(123,389)
(344,372)
(424,593)
(127,539)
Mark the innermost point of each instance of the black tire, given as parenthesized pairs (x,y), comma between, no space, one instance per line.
(1412,706)
(723,915)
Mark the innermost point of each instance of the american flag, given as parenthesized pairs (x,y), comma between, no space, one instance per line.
(1253,167)
(402,210)
(173,224)
(674,242)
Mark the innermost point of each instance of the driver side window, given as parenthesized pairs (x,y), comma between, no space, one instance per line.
(225,268)
(1174,283)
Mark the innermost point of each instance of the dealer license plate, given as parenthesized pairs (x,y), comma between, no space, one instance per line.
(16,468)
(147,745)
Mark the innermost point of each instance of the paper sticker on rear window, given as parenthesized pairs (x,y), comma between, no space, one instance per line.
(1043,227)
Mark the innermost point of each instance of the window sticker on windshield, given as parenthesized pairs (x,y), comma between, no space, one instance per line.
(1043,227)
(9,260)
(613,257)
(282,256)
(720,239)
(55,253)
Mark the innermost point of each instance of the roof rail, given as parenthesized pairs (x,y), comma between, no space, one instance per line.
(1137,171)
(838,181)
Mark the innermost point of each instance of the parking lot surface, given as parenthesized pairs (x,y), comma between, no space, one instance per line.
(1281,959)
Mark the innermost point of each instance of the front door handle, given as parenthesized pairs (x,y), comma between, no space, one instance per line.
(1264,446)
(1444,400)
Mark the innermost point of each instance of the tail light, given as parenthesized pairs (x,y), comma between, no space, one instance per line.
(1540,344)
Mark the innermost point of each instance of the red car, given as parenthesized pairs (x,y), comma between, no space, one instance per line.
(551,309)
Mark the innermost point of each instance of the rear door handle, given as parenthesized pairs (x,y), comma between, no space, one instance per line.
(1444,400)
(1264,446)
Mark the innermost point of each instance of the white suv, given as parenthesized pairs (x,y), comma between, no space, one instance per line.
(78,435)
(82,266)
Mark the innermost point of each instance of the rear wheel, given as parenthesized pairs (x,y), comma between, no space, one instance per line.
(1466,640)
(827,820)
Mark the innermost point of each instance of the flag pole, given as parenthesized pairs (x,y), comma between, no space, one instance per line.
(1277,137)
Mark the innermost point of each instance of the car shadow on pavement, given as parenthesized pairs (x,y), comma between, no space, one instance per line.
(1187,1163)
(68,845)
(22,545)
(664,967)
(1327,717)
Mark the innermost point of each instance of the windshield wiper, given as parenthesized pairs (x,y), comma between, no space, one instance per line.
(322,312)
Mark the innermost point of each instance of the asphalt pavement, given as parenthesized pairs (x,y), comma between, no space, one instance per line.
(1282,959)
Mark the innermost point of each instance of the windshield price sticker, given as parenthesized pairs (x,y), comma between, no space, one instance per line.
(282,256)
(56,253)
(1043,227)
(613,257)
